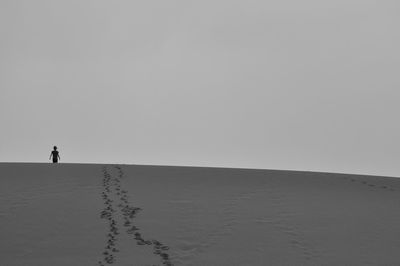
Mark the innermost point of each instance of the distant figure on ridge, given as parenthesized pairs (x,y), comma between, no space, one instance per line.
(55,155)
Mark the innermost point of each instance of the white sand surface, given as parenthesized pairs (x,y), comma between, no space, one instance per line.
(81,215)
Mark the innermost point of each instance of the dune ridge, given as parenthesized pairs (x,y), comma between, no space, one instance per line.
(95,214)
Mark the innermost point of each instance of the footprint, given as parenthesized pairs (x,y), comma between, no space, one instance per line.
(122,210)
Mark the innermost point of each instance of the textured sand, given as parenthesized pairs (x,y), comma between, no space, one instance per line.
(76,214)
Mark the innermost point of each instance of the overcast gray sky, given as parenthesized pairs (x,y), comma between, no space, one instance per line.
(283,84)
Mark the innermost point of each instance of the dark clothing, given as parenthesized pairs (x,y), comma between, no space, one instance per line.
(54,154)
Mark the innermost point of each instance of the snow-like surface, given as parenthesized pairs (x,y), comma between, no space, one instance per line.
(71,214)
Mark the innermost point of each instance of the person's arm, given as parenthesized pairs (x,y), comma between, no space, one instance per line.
(59,158)
(50,155)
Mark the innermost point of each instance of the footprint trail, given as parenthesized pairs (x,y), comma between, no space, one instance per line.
(120,215)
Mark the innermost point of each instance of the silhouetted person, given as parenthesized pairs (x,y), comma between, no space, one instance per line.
(55,155)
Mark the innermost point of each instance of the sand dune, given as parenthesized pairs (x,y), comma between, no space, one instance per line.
(77,214)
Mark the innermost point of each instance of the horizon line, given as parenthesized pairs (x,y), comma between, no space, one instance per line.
(212,167)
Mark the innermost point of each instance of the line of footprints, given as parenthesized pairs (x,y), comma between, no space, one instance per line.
(123,208)
(363,182)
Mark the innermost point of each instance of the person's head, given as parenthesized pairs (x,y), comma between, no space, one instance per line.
(55,147)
